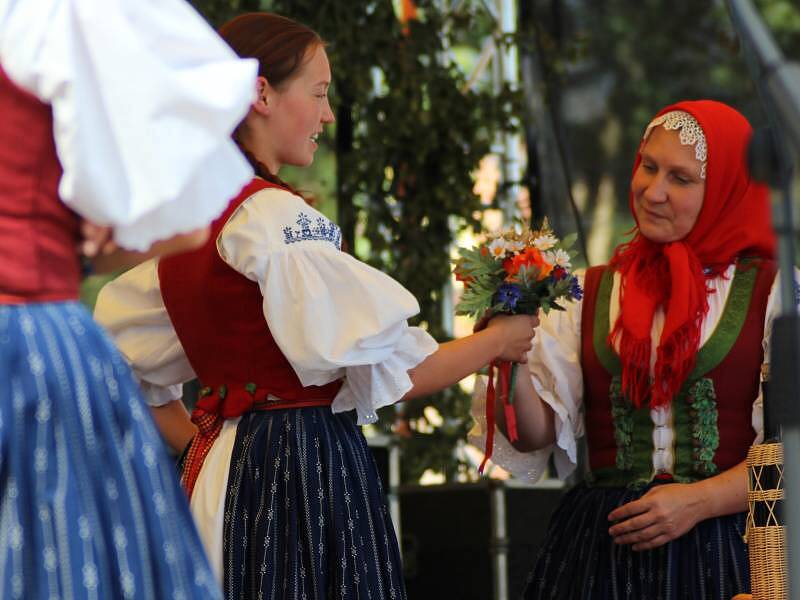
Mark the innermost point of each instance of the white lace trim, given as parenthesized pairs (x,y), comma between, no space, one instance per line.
(690,132)
(369,387)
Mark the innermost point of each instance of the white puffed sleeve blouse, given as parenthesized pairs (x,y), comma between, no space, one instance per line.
(354,316)
(144,96)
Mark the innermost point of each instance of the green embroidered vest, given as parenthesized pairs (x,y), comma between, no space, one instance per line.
(711,415)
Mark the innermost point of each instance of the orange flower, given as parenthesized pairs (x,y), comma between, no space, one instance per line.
(461,274)
(531,257)
(467,279)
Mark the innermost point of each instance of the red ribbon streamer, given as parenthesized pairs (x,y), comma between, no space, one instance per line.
(487,453)
(507,376)
(504,371)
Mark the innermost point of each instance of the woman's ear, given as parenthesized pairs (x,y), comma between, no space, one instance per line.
(263,93)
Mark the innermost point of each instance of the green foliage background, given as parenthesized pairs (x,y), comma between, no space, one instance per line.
(609,65)
(398,174)
(407,139)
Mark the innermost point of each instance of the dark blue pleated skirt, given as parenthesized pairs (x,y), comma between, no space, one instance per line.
(305,514)
(90,507)
(579,561)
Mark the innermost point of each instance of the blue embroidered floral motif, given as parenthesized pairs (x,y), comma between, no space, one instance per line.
(319,230)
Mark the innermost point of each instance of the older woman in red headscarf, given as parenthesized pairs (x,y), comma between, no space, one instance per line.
(659,368)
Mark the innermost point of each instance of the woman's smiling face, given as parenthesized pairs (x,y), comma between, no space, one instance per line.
(299,111)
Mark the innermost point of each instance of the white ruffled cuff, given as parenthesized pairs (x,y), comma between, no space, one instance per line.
(527,466)
(370,387)
(159,395)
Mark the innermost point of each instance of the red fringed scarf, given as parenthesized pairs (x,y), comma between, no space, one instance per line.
(734,221)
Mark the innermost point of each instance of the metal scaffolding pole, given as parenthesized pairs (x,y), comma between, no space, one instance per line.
(778,83)
(509,69)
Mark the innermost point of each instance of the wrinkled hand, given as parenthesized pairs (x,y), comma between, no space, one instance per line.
(96,240)
(517,333)
(663,514)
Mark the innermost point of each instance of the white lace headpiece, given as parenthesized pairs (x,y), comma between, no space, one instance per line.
(690,133)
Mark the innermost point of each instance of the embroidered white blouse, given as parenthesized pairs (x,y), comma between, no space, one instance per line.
(554,364)
(145,96)
(355,316)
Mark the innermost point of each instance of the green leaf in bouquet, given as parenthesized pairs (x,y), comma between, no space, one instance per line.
(475,264)
(551,305)
(523,280)
(483,286)
(562,288)
(474,307)
(477,297)
(568,241)
(501,308)
(528,275)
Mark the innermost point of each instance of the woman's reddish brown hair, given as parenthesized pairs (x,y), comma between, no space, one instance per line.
(279,44)
(281,47)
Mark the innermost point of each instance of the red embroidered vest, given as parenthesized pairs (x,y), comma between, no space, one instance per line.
(712,413)
(38,233)
(218,316)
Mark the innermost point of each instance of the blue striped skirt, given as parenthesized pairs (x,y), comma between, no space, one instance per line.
(90,506)
(579,560)
(305,513)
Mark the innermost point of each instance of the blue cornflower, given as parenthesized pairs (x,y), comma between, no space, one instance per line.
(575,289)
(508,294)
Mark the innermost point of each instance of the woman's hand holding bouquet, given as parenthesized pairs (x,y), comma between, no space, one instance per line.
(513,273)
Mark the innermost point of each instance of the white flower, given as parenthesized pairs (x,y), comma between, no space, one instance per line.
(515,246)
(497,248)
(545,242)
(558,258)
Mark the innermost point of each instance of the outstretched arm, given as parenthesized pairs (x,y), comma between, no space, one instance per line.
(505,338)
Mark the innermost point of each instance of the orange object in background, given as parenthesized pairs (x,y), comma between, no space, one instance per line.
(408,11)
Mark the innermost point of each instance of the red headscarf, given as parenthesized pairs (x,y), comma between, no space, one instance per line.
(733,221)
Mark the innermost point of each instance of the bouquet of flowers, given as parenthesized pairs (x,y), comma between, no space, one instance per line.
(514,273)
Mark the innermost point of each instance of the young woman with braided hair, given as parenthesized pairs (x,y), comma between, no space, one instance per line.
(297,344)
